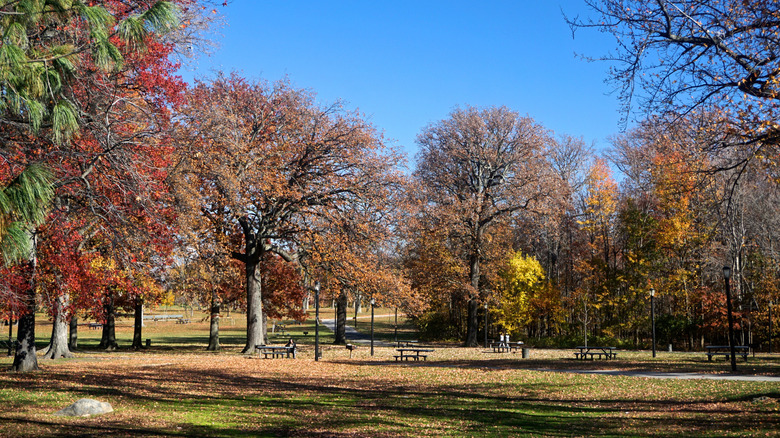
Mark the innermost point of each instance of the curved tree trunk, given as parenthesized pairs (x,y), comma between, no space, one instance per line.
(341,319)
(73,337)
(58,346)
(108,340)
(214,326)
(138,323)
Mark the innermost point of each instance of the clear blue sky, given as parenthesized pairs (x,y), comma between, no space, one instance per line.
(406,64)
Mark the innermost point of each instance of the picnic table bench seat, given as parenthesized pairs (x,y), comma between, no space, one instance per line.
(412,353)
(276,351)
(595,352)
(725,350)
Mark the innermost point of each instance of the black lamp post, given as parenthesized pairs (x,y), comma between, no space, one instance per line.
(727,275)
(372,326)
(652,315)
(771,304)
(486,325)
(396,324)
(317,321)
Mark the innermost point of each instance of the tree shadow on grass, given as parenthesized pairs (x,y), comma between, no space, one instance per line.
(245,403)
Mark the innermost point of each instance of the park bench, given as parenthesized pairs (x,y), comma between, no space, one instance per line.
(412,353)
(592,353)
(163,317)
(502,347)
(725,350)
(95,325)
(276,351)
(182,321)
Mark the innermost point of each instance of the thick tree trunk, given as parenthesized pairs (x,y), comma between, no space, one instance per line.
(73,337)
(341,319)
(255,329)
(108,340)
(138,322)
(25,359)
(472,321)
(58,346)
(214,325)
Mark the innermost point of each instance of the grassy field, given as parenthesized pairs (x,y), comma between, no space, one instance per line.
(175,388)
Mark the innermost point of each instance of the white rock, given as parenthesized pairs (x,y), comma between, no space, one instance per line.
(85,407)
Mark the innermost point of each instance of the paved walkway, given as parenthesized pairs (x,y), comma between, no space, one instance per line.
(672,375)
(353,335)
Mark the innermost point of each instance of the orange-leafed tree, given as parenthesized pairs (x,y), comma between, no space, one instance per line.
(475,169)
(265,163)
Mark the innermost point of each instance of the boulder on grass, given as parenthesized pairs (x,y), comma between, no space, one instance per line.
(85,407)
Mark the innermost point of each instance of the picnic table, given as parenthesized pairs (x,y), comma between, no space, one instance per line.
(276,351)
(503,347)
(725,350)
(412,353)
(582,353)
(95,325)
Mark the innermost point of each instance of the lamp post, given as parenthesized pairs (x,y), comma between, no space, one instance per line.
(372,326)
(726,276)
(317,321)
(771,304)
(652,315)
(486,325)
(396,324)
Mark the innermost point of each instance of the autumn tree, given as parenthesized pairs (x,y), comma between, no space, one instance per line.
(265,162)
(475,169)
(56,50)
(680,57)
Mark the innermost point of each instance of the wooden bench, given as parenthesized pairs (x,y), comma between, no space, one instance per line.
(182,321)
(412,353)
(725,350)
(502,347)
(95,325)
(276,351)
(594,352)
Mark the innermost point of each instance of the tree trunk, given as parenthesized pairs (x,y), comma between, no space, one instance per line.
(25,359)
(214,325)
(108,340)
(255,329)
(306,301)
(138,324)
(73,337)
(472,321)
(341,319)
(58,346)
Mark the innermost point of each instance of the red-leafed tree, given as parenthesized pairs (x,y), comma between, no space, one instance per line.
(102,134)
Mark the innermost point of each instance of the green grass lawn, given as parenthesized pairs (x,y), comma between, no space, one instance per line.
(177,389)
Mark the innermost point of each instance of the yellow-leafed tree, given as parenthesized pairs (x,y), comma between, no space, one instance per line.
(522,282)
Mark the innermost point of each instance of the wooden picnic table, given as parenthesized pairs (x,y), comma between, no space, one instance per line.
(503,347)
(606,352)
(275,351)
(725,350)
(412,353)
